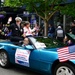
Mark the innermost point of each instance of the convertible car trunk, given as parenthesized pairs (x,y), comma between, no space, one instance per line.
(51,42)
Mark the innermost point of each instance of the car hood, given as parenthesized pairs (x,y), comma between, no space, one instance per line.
(6,43)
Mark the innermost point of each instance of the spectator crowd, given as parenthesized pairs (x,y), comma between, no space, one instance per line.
(21,29)
(18,29)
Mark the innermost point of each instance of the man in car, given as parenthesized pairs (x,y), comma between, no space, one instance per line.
(25,42)
(16,30)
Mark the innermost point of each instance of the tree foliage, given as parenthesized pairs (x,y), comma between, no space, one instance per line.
(69,9)
(45,9)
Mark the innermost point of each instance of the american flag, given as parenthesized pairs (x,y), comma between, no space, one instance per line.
(66,53)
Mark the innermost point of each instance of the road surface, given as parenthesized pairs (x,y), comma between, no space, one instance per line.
(16,71)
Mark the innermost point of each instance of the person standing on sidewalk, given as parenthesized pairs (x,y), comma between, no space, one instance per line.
(60,34)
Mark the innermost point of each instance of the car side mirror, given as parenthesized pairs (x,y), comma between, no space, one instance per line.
(30,47)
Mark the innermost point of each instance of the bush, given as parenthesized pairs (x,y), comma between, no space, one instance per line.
(52,43)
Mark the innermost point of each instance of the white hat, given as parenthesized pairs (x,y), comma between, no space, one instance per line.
(59,26)
(18,19)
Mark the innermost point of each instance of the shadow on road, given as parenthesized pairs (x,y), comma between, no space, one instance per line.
(13,70)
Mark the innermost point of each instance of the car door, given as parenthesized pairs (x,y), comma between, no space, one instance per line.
(47,56)
(35,59)
(45,60)
(26,57)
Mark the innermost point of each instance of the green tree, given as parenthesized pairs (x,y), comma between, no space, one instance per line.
(69,9)
(45,9)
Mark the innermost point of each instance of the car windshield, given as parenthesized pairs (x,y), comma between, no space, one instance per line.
(45,42)
(33,39)
(37,44)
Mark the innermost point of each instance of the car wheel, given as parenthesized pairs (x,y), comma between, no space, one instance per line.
(4,61)
(64,69)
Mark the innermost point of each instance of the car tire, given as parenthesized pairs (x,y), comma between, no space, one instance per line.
(4,59)
(64,69)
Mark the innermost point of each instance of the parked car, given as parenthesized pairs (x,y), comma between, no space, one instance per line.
(35,56)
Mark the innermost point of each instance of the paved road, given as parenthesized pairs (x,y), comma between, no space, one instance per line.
(16,71)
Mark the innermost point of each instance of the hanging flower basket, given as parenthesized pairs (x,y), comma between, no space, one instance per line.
(2,16)
(2,12)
